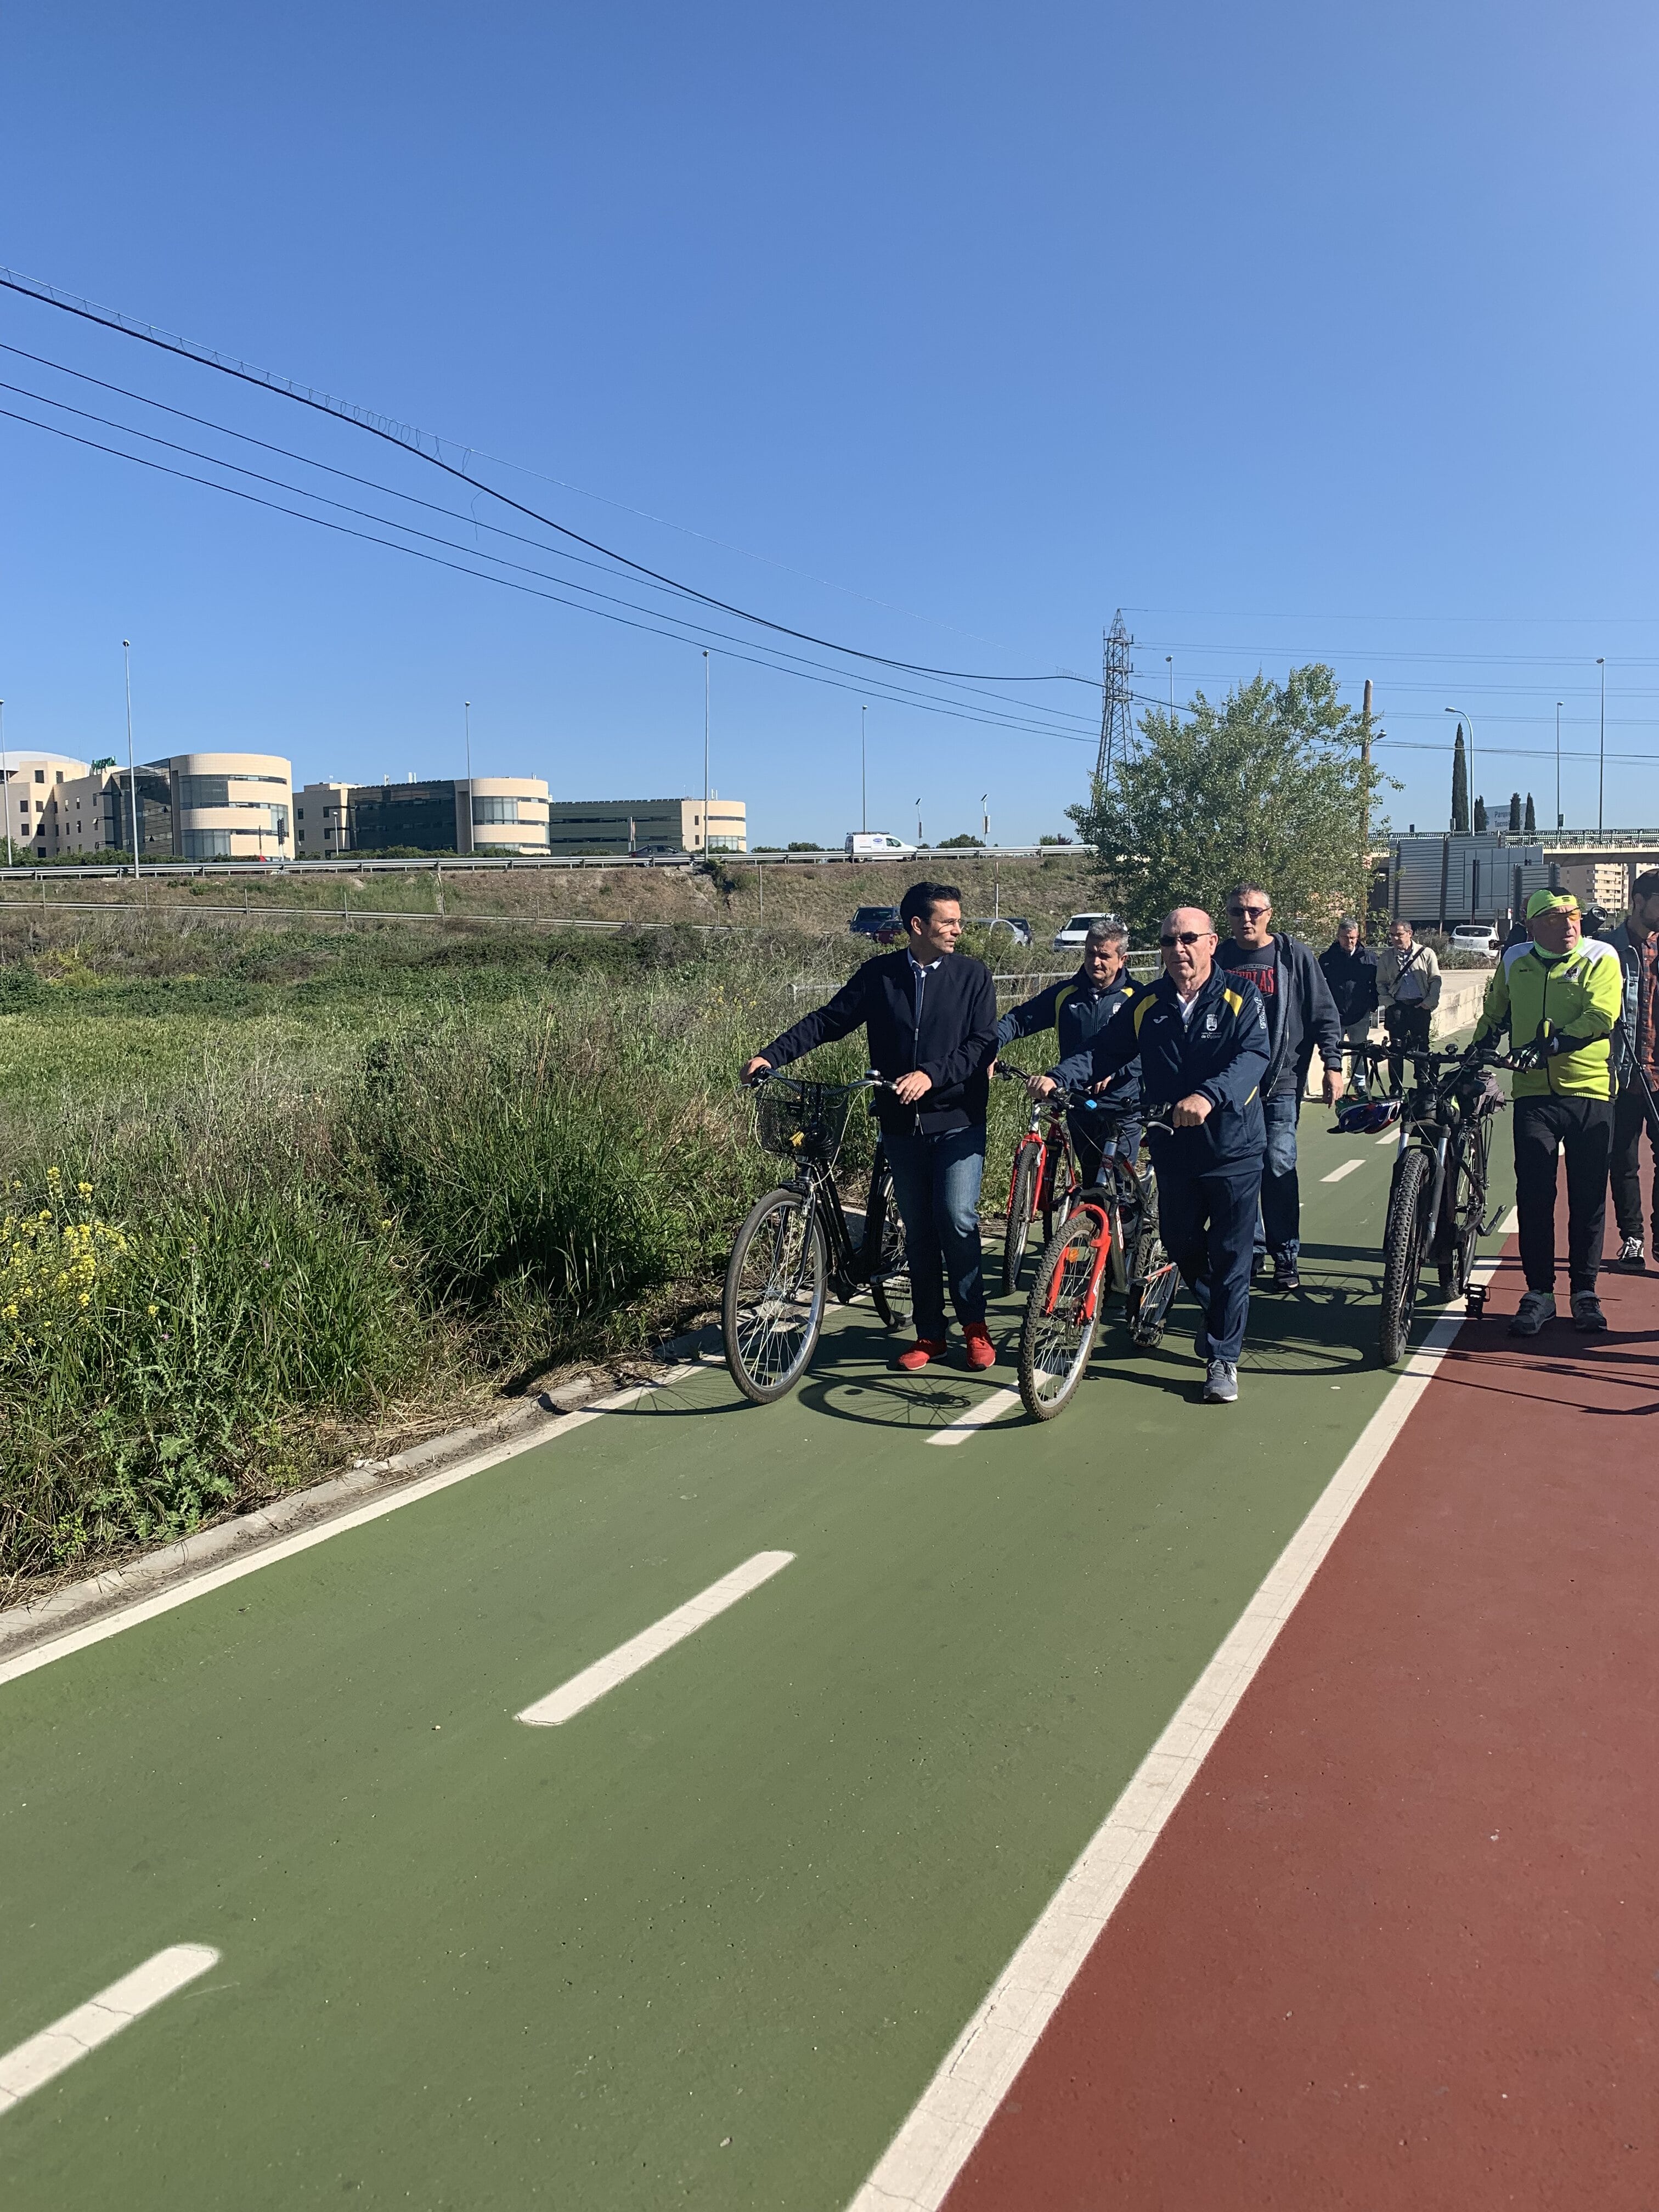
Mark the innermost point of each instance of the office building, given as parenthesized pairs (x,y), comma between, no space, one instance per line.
(195,806)
(647,826)
(33,795)
(491,814)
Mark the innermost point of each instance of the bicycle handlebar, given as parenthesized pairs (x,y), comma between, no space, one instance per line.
(872,1079)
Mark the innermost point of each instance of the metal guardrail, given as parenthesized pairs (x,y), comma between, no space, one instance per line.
(353,864)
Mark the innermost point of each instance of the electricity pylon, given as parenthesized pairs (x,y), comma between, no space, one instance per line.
(1116,714)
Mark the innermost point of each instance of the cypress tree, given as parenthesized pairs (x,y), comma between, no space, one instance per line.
(1529,828)
(1460,807)
(1515,814)
(1480,818)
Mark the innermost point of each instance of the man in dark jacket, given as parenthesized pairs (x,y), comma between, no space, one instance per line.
(1349,967)
(930,1015)
(1077,1011)
(1301,1013)
(1635,1069)
(1201,1036)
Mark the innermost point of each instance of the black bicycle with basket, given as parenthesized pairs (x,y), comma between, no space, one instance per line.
(795,1250)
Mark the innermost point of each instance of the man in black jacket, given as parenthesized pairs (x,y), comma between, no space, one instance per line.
(930,1015)
(1076,1011)
(1300,1013)
(1349,967)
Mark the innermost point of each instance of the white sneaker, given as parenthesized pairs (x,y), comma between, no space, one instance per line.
(1630,1261)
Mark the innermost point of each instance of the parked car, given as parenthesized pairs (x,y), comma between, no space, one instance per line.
(1069,939)
(880,922)
(1479,937)
(1015,925)
(876,845)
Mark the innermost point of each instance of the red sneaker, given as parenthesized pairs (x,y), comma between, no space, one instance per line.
(982,1353)
(918,1355)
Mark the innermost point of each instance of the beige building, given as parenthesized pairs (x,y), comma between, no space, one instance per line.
(647,825)
(34,787)
(491,814)
(1605,884)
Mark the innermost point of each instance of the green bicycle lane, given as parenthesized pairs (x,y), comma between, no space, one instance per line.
(705,1943)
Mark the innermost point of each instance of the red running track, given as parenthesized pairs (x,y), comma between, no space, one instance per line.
(1398,1945)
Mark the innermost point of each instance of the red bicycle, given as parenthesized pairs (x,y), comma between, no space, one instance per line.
(1108,1242)
(1044,1175)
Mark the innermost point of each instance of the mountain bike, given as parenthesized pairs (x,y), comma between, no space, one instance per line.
(1045,1175)
(795,1250)
(1438,1194)
(1108,1241)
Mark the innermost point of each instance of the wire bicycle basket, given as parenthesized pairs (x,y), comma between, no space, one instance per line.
(802,1121)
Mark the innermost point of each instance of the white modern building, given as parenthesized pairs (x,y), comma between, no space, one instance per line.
(195,806)
(648,825)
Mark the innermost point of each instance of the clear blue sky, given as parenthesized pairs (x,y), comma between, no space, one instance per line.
(1300,331)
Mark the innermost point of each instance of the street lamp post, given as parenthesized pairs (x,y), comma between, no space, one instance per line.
(705,751)
(1470,720)
(1601,760)
(471,841)
(984,818)
(1169,662)
(5,781)
(917,818)
(132,772)
(863,784)
(1558,765)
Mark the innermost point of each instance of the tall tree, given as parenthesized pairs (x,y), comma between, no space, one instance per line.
(1481,822)
(1270,784)
(1459,814)
(1530,827)
(1515,814)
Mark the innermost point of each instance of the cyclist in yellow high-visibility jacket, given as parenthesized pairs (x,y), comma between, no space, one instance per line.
(1559,997)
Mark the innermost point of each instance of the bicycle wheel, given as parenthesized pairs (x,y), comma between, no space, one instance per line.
(1058,1336)
(1404,1235)
(883,1252)
(1154,1279)
(1060,1190)
(775,1285)
(1022,1205)
(1472,1191)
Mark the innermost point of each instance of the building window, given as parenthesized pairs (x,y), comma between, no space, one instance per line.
(207,844)
(495,810)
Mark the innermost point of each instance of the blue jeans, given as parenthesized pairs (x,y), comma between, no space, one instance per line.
(1278,1231)
(1205,1221)
(936,1182)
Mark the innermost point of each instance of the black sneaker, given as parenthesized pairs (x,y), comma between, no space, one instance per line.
(1536,1307)
(1586,1314)
(1221,1383)
(1285,1275)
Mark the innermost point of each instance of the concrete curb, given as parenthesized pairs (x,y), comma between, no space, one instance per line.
(38,1620)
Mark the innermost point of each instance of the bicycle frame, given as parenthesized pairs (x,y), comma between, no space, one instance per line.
(1054,1142)
(1433,1127)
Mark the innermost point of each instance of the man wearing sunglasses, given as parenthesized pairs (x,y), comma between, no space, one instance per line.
(1301,1014)
(1202,1039)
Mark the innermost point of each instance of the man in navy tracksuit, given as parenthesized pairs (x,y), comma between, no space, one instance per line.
(1077,1011)
(929,1013)
(1202,1038)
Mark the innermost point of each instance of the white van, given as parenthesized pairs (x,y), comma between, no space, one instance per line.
(876,845)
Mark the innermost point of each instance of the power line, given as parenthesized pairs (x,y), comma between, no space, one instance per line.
(954,710)
(410,440)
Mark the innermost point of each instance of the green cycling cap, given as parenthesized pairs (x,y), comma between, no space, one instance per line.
(1546,901)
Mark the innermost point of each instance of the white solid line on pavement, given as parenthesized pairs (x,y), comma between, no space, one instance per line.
(128,1616)
(1348,1168)
(991,1407)
(934,2144)
(44,2056)
(590,1686)
(1391,1136)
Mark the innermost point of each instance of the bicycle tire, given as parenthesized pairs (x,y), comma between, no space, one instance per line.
(1402,1253)
(1022,1207)
(772,1310)
(886,1268)
(1153,1282)
(1054,1344)
(1473,1180)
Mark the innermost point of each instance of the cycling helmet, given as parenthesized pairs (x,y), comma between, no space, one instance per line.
(1366,1117)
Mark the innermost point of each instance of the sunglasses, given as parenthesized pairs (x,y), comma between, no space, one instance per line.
(1188,937)
(1256,913)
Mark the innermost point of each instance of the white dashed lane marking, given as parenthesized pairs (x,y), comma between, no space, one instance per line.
(991,1407)
(44,2056)
(1348,1168)
(586,1688)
